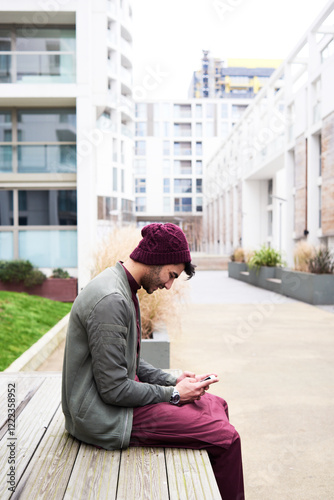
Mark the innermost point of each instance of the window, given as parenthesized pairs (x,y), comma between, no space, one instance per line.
(156,129)
(140,185)
(166,148)
(140,204)
(166,185)
(182,110)
(141,111)
(46,125)
(165,129)
(182,185)
(210,110)
(182,148)
(270,192)
(182,167)
(48,208)
(237,111)
(122,181)
(198,185)
(140,167)
(224,110)
(270,222)
(5,136)
(6,208)
(182,204)
(224,129)
(105,206)
(182,129)
(199,130)
(199,148)
(210,129)
(166,167)
(166,111)
(199,167)
(328,51)
(114,179)
(199,204)
(141,129)
(45,55)
(320,153)
(198,110)
(166,204)
(140,148)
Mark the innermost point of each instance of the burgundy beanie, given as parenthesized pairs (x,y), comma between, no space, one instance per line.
(162,244)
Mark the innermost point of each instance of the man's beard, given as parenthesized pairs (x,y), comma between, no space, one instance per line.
(151,280)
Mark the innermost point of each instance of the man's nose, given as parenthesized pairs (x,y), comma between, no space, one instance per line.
(169,283)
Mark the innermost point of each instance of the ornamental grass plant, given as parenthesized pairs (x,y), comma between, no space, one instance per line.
(303,253)
(160,307)
(266,256)
(322,262)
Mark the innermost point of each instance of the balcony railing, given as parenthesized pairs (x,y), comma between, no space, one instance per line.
(37,67)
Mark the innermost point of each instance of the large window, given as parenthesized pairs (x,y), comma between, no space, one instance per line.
(52,244)
(48,208)
(182,204)
(182,185)
(46,141)
(182,167)
(140,185)
(37,55)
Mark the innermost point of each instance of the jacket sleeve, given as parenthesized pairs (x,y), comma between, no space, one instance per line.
(152,375)
(107,330)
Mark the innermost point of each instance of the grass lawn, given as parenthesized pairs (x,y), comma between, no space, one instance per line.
(23,320)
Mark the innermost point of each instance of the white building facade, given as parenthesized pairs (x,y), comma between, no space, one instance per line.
(66,120)
(272,180)
(173,140)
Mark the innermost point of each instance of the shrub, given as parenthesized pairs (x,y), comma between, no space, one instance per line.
(17,271)
(266,256)
(302,254)
(238,255)
(160,306)
(60,273)
(322,262)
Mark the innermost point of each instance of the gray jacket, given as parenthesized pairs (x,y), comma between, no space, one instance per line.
(100,363)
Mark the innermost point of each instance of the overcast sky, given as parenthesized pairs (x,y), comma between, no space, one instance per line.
(169,35)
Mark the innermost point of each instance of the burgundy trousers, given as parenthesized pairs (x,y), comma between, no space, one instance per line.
(203,424)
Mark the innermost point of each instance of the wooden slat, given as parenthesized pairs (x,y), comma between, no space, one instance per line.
(142,475)
(189,474)
(95,474)
(31,425)
(48,472)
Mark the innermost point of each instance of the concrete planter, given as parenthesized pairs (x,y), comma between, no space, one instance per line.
(63,290)
(259,277)
(157,350)
(235,268)
(314,289)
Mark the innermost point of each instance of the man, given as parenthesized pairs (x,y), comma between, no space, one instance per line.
(111,397)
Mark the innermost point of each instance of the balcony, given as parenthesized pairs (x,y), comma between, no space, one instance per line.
(126,76)
(37,67)
(126,48)
(111,8)
(111,37)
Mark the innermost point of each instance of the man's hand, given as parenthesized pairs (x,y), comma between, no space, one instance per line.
(190,389)
(185,375)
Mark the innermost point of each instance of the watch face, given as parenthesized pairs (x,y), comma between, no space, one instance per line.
(175,399)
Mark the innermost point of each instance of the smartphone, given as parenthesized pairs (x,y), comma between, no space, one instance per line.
(210,377)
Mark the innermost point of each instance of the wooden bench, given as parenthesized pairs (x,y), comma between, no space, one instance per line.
(244,273)
(40,460)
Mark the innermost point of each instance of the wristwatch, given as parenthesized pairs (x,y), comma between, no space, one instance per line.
(175,397)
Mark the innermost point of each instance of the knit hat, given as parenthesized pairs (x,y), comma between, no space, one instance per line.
(162,244)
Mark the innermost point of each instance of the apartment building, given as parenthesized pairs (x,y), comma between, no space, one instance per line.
(66,138)
(173,141)
(231,78)
(271,181)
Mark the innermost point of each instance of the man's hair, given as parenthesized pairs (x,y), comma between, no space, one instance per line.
(189,269)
